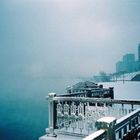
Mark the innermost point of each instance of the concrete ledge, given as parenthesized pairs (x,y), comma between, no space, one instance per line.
(45,137)
(95,135)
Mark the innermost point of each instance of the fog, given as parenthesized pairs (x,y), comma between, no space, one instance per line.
(58,38)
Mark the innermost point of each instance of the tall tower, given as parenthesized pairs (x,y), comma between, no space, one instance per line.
(139,52)
(138,63)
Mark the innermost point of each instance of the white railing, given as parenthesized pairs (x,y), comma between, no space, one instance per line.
(98,135)
(127,124)
(127,127)
(78,115)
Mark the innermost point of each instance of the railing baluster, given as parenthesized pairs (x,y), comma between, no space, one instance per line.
(77,114)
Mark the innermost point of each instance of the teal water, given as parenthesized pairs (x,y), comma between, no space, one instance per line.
(23,108)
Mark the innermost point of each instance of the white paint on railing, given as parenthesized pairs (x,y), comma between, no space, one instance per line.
(80,116)
(95,135)
(107,119)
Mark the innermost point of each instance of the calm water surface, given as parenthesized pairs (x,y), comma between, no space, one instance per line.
(23,108)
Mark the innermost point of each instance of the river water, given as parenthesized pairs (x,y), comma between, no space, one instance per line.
(24,111)
(23,108)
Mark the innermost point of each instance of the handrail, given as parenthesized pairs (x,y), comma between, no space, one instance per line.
(71,111)
(127,123)
(127,118)
(118,129)
(98,135)
(66,111)
(96,100)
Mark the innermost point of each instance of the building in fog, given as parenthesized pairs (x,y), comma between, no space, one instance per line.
(139,52)
(138,62)
(128,63)
(120,66)
(137,65)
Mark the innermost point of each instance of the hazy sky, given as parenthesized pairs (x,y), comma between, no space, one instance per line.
(58,38)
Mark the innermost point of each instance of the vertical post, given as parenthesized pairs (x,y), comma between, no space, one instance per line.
(122,109)
(123,77)
(108,124)
(51,115)
(111,92)
(132,107)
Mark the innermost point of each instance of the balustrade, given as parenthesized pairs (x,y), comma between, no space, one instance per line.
(78,115)
(127,124)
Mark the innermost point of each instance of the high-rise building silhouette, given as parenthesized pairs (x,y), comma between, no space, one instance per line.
(138,62)
(128,63)
(139,52)
(120,67)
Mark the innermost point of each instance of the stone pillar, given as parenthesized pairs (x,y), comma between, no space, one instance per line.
(50,131)
(108,124)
